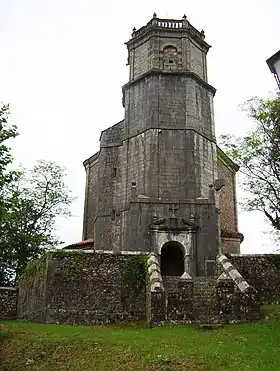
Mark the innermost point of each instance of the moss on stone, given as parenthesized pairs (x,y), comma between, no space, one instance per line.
(73,260)
(135,273)
(274,259)
(34,267)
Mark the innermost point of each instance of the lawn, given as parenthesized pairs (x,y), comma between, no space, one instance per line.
(33,346)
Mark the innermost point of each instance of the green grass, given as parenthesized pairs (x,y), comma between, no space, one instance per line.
(33,346)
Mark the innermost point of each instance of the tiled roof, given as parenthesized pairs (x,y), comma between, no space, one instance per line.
(86,244)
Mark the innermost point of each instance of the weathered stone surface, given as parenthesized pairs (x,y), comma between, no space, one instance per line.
(262,272)
(88,287)
(8,302)
(165,147)
(236,306)
(180,305)
(82,287)
(32,293)
(152,188)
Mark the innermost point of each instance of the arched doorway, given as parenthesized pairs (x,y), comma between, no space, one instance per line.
(172,259)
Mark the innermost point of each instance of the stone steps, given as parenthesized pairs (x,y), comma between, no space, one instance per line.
(170,283)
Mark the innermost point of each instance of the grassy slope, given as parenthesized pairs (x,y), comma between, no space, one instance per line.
(33,346)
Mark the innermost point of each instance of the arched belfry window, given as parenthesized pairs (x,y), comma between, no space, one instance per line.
(170,57)
(170,49)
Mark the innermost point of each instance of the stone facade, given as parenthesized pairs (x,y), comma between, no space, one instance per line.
(159,166)
(8,302)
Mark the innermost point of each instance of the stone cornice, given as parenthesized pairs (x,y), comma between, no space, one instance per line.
(91,159)
(231,234)
(158,71)
(226,160)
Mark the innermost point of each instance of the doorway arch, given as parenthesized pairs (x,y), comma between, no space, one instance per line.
(172,259)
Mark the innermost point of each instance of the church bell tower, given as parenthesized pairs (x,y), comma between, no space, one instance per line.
(151,186)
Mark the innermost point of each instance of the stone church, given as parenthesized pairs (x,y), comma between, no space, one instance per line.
(160,208)
(159,182)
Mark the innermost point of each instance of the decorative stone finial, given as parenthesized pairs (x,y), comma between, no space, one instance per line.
(202,34)
(185,21)
(133,31)
(154,15)
(155,216)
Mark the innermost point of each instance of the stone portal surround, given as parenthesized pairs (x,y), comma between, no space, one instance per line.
(184,238)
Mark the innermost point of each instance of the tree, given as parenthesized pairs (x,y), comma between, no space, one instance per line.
(258,155)
(7,175)
(27,230)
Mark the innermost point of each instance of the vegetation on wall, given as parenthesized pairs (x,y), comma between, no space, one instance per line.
(273,259)
(135,274)
(73,260)
(33,268)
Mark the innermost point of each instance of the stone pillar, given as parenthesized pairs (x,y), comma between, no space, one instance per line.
(156,309)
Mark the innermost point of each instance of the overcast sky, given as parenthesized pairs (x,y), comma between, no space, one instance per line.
(63,63)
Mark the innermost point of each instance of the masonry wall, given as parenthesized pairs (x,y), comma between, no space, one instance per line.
(261,272)
(169,101)
(227,198)
(83,288)
(8,302)
(32,293)
(196,59)
(230,245)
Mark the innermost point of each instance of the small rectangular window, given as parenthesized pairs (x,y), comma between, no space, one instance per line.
(113,214)
(115,172)
(210,267)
